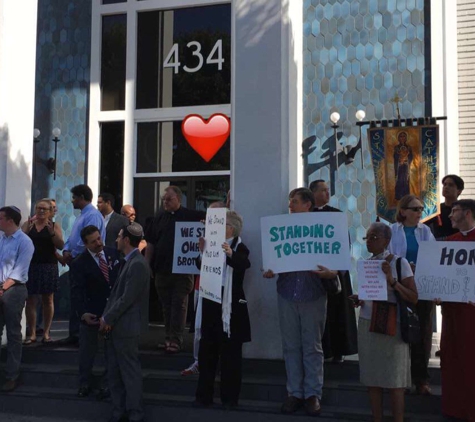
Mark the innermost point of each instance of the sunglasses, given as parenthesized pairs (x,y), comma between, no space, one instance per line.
(415,209)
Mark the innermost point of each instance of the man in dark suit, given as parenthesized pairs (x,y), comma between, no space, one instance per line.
(96,270)
(112,220)
(121,322)
(340,336)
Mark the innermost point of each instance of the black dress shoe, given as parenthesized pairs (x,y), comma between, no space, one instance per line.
(104,393)
(68,341)
(84,391)
(10,385)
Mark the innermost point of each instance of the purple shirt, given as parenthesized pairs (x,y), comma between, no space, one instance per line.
(300,286)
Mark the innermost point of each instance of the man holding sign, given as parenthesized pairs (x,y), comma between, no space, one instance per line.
(302,304)
(458,333)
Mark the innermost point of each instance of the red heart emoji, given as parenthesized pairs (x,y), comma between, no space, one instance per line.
(206,137)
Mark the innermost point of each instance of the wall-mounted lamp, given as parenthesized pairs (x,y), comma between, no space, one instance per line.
(335,117)
(360,115)
(50,163)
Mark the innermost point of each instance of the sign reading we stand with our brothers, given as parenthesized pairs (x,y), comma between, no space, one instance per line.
(301,241)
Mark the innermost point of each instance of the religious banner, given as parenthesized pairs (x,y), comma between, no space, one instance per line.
(187,235)
(405,161)
(372,284)
(446,271)
(302,241)
(213,262)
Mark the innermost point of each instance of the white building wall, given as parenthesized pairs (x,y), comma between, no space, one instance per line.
(17,93)
(466,91)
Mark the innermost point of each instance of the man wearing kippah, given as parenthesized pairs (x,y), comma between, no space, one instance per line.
(121,323)
(16,251)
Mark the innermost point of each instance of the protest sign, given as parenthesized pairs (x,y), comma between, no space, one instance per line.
(301,241)
(372,284)
(212,264)
(446,271)
(186,250)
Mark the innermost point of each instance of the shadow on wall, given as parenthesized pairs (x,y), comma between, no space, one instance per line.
(15,169)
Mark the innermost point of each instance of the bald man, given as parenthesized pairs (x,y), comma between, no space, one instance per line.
(129,212)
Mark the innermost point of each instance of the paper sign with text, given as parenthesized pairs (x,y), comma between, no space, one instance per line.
(372,284)
(446,271)
(186,250)
(212,264)
(301,241)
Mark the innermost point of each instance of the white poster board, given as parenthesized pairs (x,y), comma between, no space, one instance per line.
(372,284)
(212,264)
(301,241)
(187,235)
(446,271)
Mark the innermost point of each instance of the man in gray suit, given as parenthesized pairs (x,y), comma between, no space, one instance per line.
(112,220)
(121,323)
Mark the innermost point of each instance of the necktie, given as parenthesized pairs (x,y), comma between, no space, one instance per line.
(103,267)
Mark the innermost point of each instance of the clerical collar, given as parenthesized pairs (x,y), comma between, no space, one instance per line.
(321,208)
(467,232)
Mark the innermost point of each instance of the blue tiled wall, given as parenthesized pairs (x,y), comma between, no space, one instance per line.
(357,55)
(61,100)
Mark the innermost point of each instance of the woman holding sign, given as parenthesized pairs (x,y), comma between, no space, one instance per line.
(384,356)
(406,235)
(225,327)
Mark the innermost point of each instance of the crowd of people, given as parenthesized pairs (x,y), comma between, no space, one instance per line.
(112,261)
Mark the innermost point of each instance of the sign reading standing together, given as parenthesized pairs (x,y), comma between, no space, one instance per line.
(212,263)
(301,241)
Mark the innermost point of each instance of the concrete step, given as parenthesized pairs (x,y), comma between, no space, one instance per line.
(255,387)
(156,359)
(61,402)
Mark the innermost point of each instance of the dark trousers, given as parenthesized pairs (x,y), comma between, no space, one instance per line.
(11,308)
(230,353)
(74,317)
(420,352)
(88,345)
(124,374)
(173,291)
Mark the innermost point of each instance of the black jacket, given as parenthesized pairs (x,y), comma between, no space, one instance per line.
(89,288)
(212,323)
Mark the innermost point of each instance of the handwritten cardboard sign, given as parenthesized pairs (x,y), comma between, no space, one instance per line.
(301,241)
(446,271)
(186,250)
(372,284)
(212,264)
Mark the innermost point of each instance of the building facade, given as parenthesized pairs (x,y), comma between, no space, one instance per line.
(118,78)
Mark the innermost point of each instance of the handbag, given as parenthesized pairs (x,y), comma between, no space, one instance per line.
(331,285)
(410,325)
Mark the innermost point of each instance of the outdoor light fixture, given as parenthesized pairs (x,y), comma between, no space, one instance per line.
(360,115)
(50,163)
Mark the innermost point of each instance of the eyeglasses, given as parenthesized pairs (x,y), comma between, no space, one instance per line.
(415,209)
(42,209)
(372,237)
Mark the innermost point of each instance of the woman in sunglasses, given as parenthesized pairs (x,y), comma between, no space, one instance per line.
(407,233)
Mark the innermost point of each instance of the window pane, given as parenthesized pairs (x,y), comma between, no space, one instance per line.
(112,160)
(183,57)
(113,1)
(161,147)
(114,33)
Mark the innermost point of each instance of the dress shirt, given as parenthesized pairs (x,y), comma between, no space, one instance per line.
(107,218)
(16,252)
(300,286)
(102,254)
(88,216)
(127,257)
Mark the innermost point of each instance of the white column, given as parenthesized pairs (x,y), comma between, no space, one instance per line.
(17,96)
(266,137)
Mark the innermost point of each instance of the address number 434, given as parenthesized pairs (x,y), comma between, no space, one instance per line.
(214,57)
